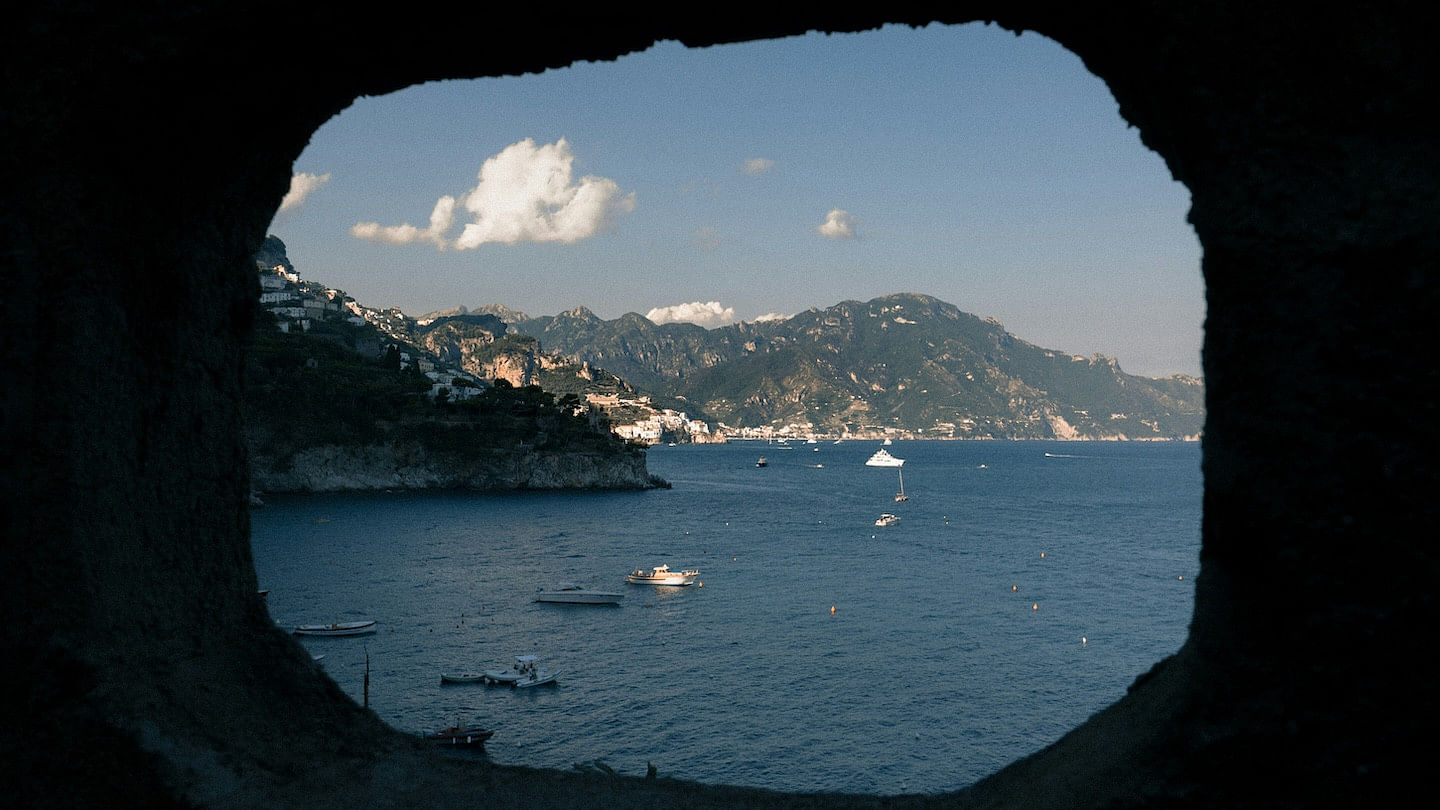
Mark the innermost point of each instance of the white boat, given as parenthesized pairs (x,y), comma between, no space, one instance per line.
(662,575)
(468,677)
(887,519)
(882,458)
(527,672)
(504,677)
(337,629)
(887,442)
(901,496)
(761,462)
(570,593)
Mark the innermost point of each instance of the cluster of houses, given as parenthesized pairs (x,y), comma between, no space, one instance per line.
(298,305)
(662,424)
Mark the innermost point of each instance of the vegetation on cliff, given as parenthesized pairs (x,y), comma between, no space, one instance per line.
(314,390)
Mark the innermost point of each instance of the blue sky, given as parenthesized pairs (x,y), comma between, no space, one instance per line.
(744,181)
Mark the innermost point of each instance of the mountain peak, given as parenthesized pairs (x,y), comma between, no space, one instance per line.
(578,314)
(502,312)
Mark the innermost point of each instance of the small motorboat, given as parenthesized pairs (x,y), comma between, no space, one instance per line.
(526,672)
(762,462)
(887,519)
(359,628)
(460,736)
(572,594)
(662,575)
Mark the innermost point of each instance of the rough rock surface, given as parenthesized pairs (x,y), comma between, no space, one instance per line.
(379,467)
(1303,132)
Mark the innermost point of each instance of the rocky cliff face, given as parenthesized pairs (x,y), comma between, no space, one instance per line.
(333,468)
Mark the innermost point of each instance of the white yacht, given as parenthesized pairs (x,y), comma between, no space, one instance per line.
(882,458)
(570,593)
(887,519)
(662,575)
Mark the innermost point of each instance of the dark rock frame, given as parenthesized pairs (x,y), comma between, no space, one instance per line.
(142,667)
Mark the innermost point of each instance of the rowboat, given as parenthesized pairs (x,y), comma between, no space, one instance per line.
(469,677)
(460,736)
(359,628)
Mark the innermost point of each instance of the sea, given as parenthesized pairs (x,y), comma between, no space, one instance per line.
(1025,586)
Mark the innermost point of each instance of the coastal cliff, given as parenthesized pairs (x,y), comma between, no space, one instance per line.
(321,417)
(408,465)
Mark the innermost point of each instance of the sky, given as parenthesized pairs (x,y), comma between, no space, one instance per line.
(758,180)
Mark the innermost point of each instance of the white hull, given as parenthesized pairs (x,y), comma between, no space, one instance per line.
(672,579)
(337,629)
(468,678)
(527,672)
(884,459)
(541,678)
(662,575)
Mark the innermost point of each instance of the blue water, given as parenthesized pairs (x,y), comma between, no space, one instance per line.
(954,645)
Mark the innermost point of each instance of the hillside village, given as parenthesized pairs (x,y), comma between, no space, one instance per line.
(298,305)
(903,366)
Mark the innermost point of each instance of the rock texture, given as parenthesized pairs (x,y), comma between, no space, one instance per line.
(381,467)
(1303,132)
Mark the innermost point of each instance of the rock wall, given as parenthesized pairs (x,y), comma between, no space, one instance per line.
(382,467)
(1302,130)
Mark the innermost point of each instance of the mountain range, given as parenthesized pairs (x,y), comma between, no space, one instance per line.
(905,363)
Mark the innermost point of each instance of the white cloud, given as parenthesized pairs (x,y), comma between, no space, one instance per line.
(771,316)
(757,166)
(838,224)
(301,184)
(704,313)
(441,218)
(527,193)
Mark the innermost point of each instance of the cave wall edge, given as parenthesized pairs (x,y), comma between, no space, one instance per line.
(132,609)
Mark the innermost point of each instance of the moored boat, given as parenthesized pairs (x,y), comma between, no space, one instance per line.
(882,458)
(526,672)
(468,677)
(570,593)
(887,519)
(359,628)
(762,462)
(662,575)
(460,736)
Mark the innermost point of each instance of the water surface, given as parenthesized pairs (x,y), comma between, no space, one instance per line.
(819,652)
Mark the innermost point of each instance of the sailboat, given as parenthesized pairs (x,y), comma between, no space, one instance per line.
(901,496)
